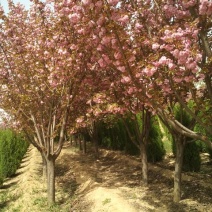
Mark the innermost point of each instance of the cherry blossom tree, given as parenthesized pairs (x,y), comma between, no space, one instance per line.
(157,53)
(160,52)
(45,75)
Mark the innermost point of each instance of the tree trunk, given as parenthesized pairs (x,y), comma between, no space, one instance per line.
(75,141)
(95,140)
(143,155)
(44,163)
(96,148)
(51,180)
(71,140)
(178,169)
(80,144)
(84,146)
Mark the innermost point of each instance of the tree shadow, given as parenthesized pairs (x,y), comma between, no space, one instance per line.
(6,200)
(65,177)
(3,187)
(112,171)
(24,164)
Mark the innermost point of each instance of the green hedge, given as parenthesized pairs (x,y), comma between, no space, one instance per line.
(12,149)
(191,156)
(155,148)
(202,146)
(114,136)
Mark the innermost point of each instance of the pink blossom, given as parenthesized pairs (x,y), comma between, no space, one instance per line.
(138,26)
(74,18)
(98,4)
(76,8)
(149,95)
(121,68)
(195,33)
(182,58)
(167,32)
(163,60)
(113,41)
(99,47)
(168,47)
(124,19)
(130,90)
(195,70)
(101,63)
(198,57)
(187,79)
(113,2)
(86,2)
(171,65)
(132,58)
(177,79)
(100,21)
(125,79)
(205,7)
(106,59)
(105,40)
(66,10)
(73,47)
(80,120)
(175,53)
(138,75)
(201,77)
(117,55)
(189,3)
(166,88)
(155,46)
(191,65)
(81,31)
(150,72)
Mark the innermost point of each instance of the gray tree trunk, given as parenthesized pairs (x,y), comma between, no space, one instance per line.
(44,164)
(51,180)
(84,146)
(178,169)
(144,162)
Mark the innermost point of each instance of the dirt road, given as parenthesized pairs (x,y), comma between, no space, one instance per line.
(109,184)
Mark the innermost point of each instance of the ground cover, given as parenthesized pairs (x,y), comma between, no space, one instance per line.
(110,183)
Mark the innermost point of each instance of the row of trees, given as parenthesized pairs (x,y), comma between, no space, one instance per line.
(119,133)
(12,149)
(66,64)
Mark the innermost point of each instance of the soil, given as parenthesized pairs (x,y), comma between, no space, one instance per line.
(111,183)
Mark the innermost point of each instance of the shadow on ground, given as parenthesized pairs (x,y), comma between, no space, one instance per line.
(6,199)
(65,177)
(116,170)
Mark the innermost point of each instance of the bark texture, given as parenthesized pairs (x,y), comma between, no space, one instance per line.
(51,180)
(178,169)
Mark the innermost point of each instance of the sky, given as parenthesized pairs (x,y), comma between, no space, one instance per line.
(26,3)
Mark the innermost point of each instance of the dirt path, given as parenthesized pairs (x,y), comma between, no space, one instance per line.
(113,183)
(110,184)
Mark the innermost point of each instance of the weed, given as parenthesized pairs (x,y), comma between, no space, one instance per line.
(18,209)
(54,208)
(41,201)
(106,201)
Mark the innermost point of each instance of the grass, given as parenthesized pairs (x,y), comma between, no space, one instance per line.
(5,199)
(167,145)
(106,201)
(40,201)
(18,209)
(166,142)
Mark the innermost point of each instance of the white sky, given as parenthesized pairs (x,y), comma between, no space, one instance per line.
(26,3)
